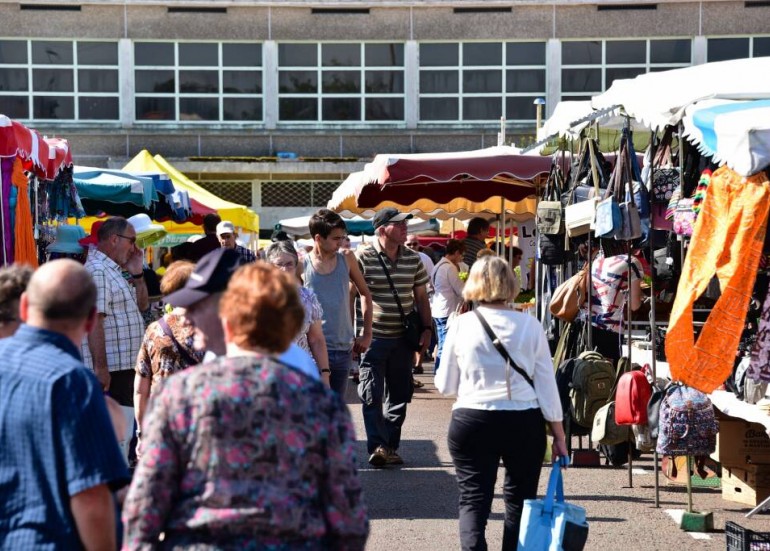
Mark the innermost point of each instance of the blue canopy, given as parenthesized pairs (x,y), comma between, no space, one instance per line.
(114,186)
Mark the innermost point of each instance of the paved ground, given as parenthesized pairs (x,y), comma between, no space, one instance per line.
(415,507)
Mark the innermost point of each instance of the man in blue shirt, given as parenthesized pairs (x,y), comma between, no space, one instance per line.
(59,457)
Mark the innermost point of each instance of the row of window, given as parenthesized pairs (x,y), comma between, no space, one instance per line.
(325,82)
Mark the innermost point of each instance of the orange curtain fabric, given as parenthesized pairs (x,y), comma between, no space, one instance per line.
(726,241)
(25,250)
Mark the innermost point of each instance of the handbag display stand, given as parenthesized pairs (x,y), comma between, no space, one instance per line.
(587,457)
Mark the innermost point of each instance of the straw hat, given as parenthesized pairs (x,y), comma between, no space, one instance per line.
(67,238)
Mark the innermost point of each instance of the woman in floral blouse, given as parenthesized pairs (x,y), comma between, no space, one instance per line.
(245,452)
(167,346)
(310,338)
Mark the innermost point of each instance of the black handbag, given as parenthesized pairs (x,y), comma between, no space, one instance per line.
(412,322)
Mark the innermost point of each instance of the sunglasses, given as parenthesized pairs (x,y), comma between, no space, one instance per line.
(131,239)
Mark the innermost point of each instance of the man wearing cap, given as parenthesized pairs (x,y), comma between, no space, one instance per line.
(386,367)
(200,297)
(111,347)
(226,235)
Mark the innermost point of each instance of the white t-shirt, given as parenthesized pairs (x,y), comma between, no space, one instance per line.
(473,369)
(447,289)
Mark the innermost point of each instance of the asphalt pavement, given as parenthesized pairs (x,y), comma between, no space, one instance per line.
(414,507)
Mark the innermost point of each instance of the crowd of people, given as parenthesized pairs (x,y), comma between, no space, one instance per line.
(241,436)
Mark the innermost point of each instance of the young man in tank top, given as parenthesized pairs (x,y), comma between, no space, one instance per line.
(335,278)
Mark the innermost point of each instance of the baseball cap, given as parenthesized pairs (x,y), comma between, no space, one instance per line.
(210,275)
(225,227)
(388,216)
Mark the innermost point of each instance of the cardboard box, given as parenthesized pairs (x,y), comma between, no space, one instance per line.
(748,484)
(740,442)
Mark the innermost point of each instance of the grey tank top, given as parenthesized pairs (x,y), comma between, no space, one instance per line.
(332,292)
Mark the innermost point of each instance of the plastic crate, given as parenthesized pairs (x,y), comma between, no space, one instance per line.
(743,539)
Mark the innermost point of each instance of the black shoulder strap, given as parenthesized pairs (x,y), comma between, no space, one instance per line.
(392,287)
(502,350)
(186,356)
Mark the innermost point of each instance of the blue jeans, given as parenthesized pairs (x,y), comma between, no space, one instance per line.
(339,364)
(386,373)
(441,330)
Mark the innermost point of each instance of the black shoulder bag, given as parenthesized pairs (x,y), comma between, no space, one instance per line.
(412,323)
(504,354)
(188,358)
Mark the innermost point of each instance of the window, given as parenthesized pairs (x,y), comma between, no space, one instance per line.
(198,81)
(590,66)
(59,80)
(481,81)
(723,49)
(341,82)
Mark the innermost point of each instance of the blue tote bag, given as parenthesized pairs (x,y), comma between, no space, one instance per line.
(551,524)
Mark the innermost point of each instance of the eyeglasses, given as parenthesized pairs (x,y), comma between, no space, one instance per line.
(132,239)
(285,265)
(411,244)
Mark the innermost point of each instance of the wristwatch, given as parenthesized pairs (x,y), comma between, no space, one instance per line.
(138,433)
(140,275)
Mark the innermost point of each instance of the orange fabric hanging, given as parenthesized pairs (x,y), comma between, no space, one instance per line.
(727,241)
(25,249)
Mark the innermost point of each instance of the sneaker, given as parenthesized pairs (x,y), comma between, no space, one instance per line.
(379,458)
(417,370)
(394,459)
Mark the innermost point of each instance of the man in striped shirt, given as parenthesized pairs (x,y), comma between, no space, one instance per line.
(386,367)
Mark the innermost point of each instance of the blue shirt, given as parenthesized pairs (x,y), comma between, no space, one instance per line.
(56,439)
(294,357)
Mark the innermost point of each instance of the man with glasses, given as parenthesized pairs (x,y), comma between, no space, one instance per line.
(385,378)
(110,349)
(226,235)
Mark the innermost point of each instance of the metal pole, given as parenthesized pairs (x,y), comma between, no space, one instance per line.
(653,324)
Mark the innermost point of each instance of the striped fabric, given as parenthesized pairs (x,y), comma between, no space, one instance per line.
(472,248)
(407,272)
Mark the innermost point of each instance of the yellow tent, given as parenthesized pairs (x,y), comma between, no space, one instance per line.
(239,215)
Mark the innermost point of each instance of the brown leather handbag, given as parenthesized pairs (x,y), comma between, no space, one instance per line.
(568,297)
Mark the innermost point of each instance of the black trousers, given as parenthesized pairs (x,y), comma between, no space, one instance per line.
(606,343)
(477,440)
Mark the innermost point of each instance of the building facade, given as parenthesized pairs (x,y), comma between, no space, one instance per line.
(273,104)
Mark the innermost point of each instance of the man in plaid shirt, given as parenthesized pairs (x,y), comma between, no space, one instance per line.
(226,234)
(113,344)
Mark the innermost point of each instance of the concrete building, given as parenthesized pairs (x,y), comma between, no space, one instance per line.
(222,88)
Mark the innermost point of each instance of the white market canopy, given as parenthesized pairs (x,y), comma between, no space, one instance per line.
(659,99)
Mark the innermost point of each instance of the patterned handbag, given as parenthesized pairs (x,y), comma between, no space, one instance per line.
(666,176)
(686,423)
(684,217)
(550,212)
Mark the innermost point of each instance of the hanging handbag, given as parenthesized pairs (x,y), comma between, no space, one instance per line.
(666,176)
(580,215)
(608,218)
(412,323)
(631,224)
(551,524)
(550,220)
(684,217)
(569,297)
(552,249)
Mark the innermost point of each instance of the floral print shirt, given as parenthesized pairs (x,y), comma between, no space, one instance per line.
(246,453)
(313,313)
(159,356)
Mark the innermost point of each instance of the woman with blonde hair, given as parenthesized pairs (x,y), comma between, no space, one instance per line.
(245,452)
(505,397)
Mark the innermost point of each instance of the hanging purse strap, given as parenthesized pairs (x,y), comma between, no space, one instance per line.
(186,356)
(392,289)
(594,170)
(500,348)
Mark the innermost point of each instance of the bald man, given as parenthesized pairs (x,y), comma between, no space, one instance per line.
(58,449)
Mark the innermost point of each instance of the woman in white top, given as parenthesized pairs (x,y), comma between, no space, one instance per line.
(447,291)
(498,413)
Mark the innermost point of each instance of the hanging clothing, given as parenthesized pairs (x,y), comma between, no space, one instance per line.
(727,241)
(759,365)
(25,251)
(6,167)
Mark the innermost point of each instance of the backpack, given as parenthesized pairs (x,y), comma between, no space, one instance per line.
(563,384)
(686,424)
(631,398)
(593,378)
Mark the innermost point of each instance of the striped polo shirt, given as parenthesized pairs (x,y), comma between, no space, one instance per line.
(406,273)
